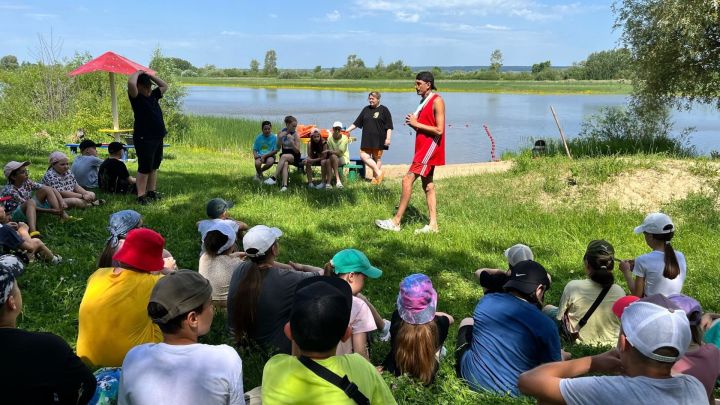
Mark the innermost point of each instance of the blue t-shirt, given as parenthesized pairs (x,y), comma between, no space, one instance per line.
(509,337)
(264,144)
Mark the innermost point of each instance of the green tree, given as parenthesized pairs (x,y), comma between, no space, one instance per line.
(538,68)
(354,69)
(607,65)
(254,66)
(9,62)
(380,65)
(317,69)
(496,60)
(675,46)
(270,66)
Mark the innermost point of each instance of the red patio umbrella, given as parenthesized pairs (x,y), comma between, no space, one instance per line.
(113,63)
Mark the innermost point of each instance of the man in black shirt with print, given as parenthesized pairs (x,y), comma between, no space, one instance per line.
(148,131)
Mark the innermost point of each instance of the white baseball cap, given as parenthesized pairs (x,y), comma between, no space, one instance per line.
(518,253)
(259,239)
(338,124)
(648,327)
(656,223)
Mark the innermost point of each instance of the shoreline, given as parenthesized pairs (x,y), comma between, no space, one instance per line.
(397,171)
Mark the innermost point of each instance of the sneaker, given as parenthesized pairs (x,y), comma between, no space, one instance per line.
(384,334)
(257,178)
(328,186)
(57,259)
(310,185)
(426,229)
(387,224)
(339,185)
(283,188)
(270,181)
(154,195)
(320,186)
(143,200)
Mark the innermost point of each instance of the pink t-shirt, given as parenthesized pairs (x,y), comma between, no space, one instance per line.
(361,321)
(703,364)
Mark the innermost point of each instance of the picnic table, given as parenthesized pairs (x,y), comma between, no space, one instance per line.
(119,135)
(74,148)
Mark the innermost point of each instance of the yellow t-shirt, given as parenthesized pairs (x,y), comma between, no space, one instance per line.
(287,381)
(603,326)
(340,145)
(113,316)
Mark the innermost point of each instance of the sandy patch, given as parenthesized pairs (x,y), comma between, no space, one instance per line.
(454,170)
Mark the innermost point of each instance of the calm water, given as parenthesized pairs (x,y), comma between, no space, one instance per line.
(512,118)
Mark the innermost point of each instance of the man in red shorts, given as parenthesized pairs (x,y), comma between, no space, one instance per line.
(428,121)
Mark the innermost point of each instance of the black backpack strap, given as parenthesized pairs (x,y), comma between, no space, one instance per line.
(348,387)
(594,306)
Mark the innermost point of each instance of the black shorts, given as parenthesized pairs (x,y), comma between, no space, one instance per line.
(464,338)
(149,154)
(298,161)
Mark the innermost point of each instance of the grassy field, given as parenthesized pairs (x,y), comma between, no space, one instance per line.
(479,216)
(478,86)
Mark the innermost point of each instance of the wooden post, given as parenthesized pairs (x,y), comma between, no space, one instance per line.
(562,134)
(113,96)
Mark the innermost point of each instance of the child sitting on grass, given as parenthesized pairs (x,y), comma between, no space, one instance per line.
(59,177)
(318,322)
(417,331)
(15,235)
(354,267)
(219,260)
(23,206)
(113,175)
(264,150)
(315,151)
(337,154)
(217,212)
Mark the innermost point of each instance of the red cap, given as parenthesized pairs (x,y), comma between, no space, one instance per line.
(622,303)
(142,250)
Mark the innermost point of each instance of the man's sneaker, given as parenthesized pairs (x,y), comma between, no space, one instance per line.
(143,200)
(270,181)
(57,259)
(283,188)
(384,334)
(320,186)
(154,195)
(387,224)
(339,185)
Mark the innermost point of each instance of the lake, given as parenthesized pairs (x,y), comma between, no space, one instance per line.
(513,119)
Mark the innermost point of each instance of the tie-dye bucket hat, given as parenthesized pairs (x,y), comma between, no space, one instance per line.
(417,299)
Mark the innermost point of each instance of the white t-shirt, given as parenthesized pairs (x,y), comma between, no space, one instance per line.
(651,266)
(158,373)
(361,321)
(683,389)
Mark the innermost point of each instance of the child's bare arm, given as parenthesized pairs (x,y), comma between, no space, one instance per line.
(379,322)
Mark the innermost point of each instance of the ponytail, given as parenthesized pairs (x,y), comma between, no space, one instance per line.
(246,299)
(601,269)
(672,267)
(105,259)
(415,347)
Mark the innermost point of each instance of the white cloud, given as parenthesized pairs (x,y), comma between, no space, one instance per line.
(333,16)
(466,28)
(13,7)
(407,17)
(41,16)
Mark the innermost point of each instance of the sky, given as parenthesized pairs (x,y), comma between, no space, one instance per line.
(305,34)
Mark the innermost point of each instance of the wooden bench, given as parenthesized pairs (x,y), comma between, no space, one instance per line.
(74,148)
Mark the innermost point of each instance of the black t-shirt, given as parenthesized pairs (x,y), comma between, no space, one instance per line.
(374,123)
(40,368)
(149,123)
(274,304)
(9,238)
(443,325)
(494,282)
(113,176)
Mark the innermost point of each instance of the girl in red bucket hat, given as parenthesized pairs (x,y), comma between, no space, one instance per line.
(113,312)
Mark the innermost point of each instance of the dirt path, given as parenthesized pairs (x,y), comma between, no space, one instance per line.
(454,170)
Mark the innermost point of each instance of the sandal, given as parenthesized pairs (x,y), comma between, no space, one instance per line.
(387,224)
(98,202)
(36,235)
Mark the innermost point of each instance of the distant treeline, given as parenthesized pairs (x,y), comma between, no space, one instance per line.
(605,65)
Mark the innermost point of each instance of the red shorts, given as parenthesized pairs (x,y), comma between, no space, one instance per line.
(422,170)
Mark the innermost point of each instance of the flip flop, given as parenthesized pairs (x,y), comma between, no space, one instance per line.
(36,235)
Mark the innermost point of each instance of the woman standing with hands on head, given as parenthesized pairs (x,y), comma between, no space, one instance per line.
(376,123)
(661,271)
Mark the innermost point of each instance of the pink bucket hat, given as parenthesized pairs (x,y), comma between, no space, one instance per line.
(417,300)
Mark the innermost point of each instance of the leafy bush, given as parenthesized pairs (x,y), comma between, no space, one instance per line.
(617,130)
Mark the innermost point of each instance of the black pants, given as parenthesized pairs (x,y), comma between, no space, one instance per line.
(464,338)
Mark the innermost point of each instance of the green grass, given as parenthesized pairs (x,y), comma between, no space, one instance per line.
(479,216)
(479,86)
